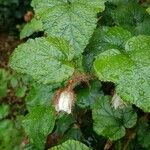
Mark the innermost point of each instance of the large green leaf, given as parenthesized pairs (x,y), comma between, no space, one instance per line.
(46,59)
(38,124)
(110,122)
(71,145)
(74,20)
(105,38)
(129,70)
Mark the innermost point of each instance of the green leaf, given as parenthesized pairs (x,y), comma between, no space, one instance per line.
(31,27)
(39,94)
(128,14)
(73,20)
(143,27)
(10,135)
(3,89)
(148,10)
(47,60)
(74,133)
(105,38)
(109,122)
(143,134)
(63,123)
(14,82)
(4,111)
(86,96)
(21,91)
(38,124)
(71,145)
(4,78)
(9,2)
(129,70)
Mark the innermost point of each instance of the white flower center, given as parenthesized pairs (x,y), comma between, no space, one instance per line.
(65,102)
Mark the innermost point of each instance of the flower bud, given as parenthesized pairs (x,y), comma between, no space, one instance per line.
(65,101)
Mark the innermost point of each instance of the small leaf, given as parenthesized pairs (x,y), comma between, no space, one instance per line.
(38,124)
(31,27)
(14,82)
(21,91)
(4,78)
(109,122)
(148,10)
(47,60)
(3,89)
(71,145)
(129,70)
(73,20)
(4,111)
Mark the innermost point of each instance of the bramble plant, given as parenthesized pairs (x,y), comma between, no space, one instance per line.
(85,47)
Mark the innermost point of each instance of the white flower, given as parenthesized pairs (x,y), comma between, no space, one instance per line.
(65,101)
(117,102)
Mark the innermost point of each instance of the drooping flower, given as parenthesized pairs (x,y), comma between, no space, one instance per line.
(64,100)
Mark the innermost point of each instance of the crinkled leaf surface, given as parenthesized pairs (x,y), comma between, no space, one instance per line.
(74,20)
(105,38)
(109,122)
(71,145)
(108,37)
(34,26)
(129,70)
(47,60)
(39,94)
(38,124)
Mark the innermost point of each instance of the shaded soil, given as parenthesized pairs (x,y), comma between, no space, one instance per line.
(7,45)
